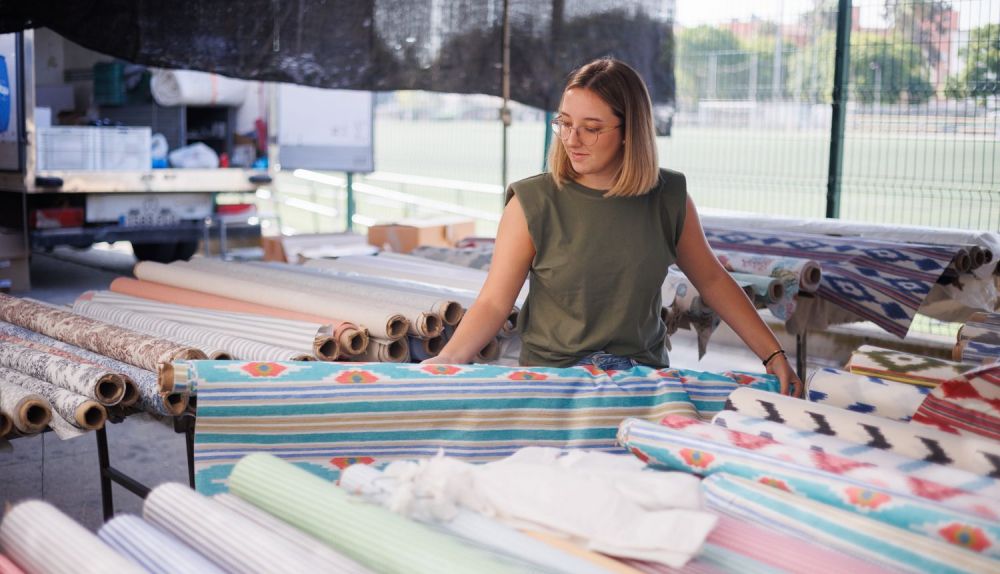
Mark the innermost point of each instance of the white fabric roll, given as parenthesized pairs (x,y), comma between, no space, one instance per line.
(153,548)
(192,88)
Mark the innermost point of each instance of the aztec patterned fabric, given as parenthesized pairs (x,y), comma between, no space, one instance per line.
(979,456)
(152,548)
(976,352)
(120,344)
(851,533)
(325,416)
(40,538)
(90,381)
(966,405)
(150,398)
(870,395)
(904,367)
(879,281)
(784,434)
(862,472)
(374,536)
(669,449)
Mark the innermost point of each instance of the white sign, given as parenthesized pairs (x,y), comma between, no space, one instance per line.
(324,129)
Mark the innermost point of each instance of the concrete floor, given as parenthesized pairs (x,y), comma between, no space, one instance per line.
(65,473)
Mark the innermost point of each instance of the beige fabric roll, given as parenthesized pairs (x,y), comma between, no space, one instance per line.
(28,411)
(90,381)
(384,351)
(76,410)
(380,323)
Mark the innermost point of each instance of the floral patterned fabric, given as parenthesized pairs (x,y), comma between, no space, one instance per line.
(69,409)
(90,381)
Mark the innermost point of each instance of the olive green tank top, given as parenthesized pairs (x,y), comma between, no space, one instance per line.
(598,268)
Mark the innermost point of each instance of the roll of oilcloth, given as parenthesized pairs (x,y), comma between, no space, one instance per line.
(851,533)
(153,548)
(890,480)
(766,289)
(806,271)
(422,322)
(669,449)
(29,412)
(978,456)
(364,532)
(976,352)
(784,434)
(121,344)
(345,332)
(288,532)
(77,410)
(904,367)
(383,351)
(40,538)
(979,331)
(146,383)
(206,339)
(100,384)
(224,537)
(871,395)
(300,335)
(381,323)
(193,88)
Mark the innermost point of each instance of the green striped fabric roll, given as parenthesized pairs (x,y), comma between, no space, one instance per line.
(374,536)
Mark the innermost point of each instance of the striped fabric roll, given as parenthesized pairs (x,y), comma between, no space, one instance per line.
(947,475)
(327,415)
(277,527)
(207,339)
(222,536)
(40,538)
(672,450)
(851,533)
(371,535)
(152,548)
(862,394)
(976,352)
(710,391)
(968,405)
(904,367)
(916,441)
(90,381)
(8,567)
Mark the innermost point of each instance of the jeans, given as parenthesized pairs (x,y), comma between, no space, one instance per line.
(607,362)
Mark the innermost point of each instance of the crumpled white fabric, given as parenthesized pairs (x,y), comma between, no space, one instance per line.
(605,502)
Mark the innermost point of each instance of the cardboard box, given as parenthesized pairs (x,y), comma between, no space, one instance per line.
(407,234)
(295,248)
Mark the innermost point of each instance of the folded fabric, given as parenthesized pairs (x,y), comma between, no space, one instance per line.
(326,416)
(917,441)
(784,434)
(852,533)
(152,548)
(862,394)
(966,405)
(670,449)
(904,367)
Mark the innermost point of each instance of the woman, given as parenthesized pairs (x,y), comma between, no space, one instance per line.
(597,234)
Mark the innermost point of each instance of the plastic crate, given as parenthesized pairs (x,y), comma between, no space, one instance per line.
(111,85)
(94,148)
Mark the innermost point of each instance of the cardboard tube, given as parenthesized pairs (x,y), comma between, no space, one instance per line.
(131,395)
(962,262)
(451,312)
(384,351)
(29,412)
(326,348)
(5,425)
(90,415)
(490,352)
(353,341)
(427,325)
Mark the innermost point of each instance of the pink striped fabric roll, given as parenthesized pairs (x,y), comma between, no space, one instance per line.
(8,567)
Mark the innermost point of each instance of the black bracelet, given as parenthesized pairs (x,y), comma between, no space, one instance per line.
(773,355)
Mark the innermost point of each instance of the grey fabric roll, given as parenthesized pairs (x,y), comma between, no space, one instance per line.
(76,410)
(91,381)
(28,411)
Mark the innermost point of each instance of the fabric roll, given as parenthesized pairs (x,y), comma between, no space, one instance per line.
(474,257)
(672,450)
(851,533)
(152,548)
(923,470)
(206,339)
(979,331)
(710,391)
(348,335)
(223,536)
(286,531)
(371,535)
(968,405)
(861,394)
(325,416)
(115,342)
(76,410)
(694,314)
(608,564)
(489,353)
(904,367)
(90,381)
(193,88)
(792,274)
(986,318)
(890,480)
(383,351)
(766,289)
(422,349)
(5,425)
(975,352)
(6,566)
(29,412)
(305,336)
(380,323)
(150,398)
(978,456)
(378,488)
(41,539)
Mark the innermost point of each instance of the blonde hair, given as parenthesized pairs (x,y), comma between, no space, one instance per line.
(619,86)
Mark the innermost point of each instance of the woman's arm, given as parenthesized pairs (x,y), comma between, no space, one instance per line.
(720,292)
(512,257)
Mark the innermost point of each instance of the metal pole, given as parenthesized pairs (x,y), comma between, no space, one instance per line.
(350,201)
(843,55)
(549,116)
(505,86)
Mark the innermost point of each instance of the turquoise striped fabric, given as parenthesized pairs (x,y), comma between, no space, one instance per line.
(326,416)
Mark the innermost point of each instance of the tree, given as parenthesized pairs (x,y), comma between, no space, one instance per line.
(695,49)
(883,70)
(981,76)
(920,22)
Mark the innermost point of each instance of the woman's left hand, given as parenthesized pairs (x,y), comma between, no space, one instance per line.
(790,383)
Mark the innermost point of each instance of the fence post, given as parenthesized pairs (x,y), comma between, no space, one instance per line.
(840,80)
(350,201)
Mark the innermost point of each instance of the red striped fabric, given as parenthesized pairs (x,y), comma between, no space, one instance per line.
(969,404)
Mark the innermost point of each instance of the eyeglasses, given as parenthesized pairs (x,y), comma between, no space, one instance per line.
(585,135)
